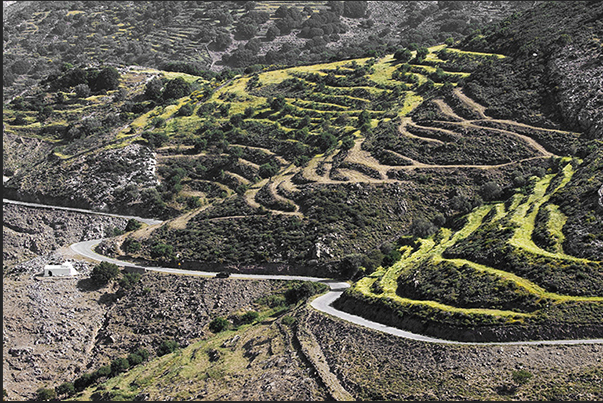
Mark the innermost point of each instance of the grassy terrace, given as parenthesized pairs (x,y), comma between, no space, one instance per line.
(382,285)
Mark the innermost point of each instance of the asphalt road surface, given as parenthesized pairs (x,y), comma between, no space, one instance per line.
(322,303)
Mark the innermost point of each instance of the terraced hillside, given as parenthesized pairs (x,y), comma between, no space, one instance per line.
(39,37)
(320,169)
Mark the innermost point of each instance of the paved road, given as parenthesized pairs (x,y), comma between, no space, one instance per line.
(322,303)
(149,221)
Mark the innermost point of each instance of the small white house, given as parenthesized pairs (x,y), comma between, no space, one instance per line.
(55,270)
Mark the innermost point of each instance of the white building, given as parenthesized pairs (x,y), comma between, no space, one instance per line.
(54,270)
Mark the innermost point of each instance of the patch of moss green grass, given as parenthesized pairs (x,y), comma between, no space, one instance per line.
(497,55)
(382,284)
(525,215)
(555,225)
(190,365)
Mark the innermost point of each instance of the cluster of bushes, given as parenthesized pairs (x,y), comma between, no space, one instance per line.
(489,245)
(265,197)
(117,366)
(85,80)
(473,147)
(164,91)
(465,287)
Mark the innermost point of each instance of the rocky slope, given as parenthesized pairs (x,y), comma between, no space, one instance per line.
(56,329)
(28,232)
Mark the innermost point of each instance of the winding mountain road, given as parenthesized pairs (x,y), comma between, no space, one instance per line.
(322,303)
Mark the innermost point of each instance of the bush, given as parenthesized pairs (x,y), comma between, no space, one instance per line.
(155,139)
(133,225)
(289,320)
(65,388)
(134,359)
(103,371)
(103,273)
(185,110)
(249,317)
(218,324)
(166,347)
(45,394)
(83,381)
(176,88)
(119,365)
(302,291)
(521,376)
(142,352)
(129,279)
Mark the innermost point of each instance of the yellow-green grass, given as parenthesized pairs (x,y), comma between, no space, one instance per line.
(411,101)
(394,299)
(498,55)
(190,364)
(383,69)
(522,238)
(555,225)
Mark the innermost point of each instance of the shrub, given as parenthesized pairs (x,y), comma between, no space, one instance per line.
(185,110)
(289,320)
(103,371)
(134,359)
(162,251)
(133,225)
(83,381)
(129,279)
(249,317)
(218,324)
(119,365)
(45,394)
(490,191)
(176,88)
(103,273)
(521,376)
(302,291)
(166,347)
(155,139)
(66,388)
(82,90)
(142,352)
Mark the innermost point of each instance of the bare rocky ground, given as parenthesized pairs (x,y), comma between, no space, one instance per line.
(55,329)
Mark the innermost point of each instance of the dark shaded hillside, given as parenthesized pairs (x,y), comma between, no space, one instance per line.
(193,36)
(554,75)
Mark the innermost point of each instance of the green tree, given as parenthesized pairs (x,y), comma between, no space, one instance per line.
(133,224)
(66,388)
(176,88)
(119,365)
(166,347)
(422,53)
(152,89)
(104,272)
(490,191)
(218,324)
(45,394)
(107,79)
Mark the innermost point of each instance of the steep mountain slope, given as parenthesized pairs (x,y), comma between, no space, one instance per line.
(455,186)
(554,75)
(39,37)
